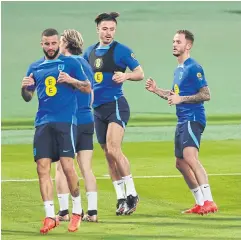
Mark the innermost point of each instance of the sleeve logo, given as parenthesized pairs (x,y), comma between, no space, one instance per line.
(200,76)
(133,56)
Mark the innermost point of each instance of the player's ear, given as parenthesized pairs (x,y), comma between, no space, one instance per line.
(41,43)
(189,46)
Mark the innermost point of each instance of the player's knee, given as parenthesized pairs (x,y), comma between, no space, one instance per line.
(179,164)
(68,169)
(43,168)
(192,162)
(113,151)
(59,168)
(86,170)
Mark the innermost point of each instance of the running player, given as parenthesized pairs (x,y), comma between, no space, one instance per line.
(56,79)
(109,60)
(71,44)
(189,91)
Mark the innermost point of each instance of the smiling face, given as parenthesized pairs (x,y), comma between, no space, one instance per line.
(106,31)
(50,46)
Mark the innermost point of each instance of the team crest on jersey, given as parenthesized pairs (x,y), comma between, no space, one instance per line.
(180,75)
(200,76)
(61,67)
(98,63)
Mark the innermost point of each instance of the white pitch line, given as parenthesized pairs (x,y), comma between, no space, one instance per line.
(140,177)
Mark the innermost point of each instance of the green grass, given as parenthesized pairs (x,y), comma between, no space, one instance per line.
(136,120)
(158,215)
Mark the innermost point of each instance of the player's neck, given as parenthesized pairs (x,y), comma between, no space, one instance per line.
(181,59)
(105,44)
(68,54)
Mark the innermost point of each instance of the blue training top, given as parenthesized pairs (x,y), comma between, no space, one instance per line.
(188,79)
(105,89)
(57,101)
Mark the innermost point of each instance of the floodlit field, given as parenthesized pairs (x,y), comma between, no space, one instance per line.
(163,195)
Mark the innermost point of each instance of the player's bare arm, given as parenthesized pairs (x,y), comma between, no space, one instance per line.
(152,87)
(136,75)
(83,86)
(26,94)
(201,96)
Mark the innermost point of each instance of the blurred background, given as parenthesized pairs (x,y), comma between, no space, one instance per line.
(147,28)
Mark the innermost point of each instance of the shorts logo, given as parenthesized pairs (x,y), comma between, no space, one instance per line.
(176,89)
(199,75)
(34,152)
(98,77)
(98,63)
(66,151)
(61,67)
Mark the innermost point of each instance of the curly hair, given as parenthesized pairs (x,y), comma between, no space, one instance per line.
(74,41)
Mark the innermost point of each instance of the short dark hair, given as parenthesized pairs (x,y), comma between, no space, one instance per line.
(107,17)
(188,34)
(49,32)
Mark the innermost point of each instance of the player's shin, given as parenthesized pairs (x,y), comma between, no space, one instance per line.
(92,203)
(130,186)
(206,190)
(119,186)
(198,196)
(49,209)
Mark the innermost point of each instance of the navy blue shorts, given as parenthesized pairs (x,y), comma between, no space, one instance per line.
(187,135)
(117,111)
(54,140)
(85,137)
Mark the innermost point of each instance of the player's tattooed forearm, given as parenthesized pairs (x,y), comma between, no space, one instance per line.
(163,93)
(83,86)
(202,95)
(26,95)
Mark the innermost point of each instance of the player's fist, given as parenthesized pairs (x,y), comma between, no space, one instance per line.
(119,77)
(174,99)
(64,78)
(28,81)
(150,85)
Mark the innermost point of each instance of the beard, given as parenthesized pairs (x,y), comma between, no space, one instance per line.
(176,54)
(56,52)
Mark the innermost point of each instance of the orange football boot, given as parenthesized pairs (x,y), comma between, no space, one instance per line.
(74,222)
(49,224)
(208,207)
(195,209)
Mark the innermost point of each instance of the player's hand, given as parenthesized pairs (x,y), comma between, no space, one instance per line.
(64,78)
(28,81)
(151,85)
(174,99)
(119,77)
